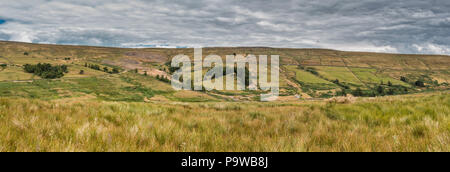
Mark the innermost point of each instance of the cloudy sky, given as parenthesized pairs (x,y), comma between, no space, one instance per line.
(399,26)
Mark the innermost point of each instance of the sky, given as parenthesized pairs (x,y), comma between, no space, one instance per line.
(391,26)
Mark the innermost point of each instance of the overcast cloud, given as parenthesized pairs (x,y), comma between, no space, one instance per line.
(400,26)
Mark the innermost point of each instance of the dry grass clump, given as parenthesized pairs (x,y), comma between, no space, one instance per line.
(342,100)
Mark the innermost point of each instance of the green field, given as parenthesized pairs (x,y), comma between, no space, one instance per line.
(308,80)
(401,123)
(370,76)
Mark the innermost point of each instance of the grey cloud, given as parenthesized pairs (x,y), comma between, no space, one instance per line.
(403,26)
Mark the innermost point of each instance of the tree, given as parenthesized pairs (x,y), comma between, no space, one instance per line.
(336,81)
(26,53)
(358,92)
(115,70)
(389,83)
(436,82)
(46,70)
(145,73)
(81,72)
(404,79)
(64,68)
(419,83)
(85,65)
(343,92)
(380,90)
(136,70)
(391,91)
(105,69)
(312,70)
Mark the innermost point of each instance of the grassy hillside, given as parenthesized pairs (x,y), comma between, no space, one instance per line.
(305,72)
(402,123)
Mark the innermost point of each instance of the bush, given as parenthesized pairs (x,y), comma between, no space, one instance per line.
(404,79)
(380,90)
(312,70)
(115,70)
(358,92)
(46,70)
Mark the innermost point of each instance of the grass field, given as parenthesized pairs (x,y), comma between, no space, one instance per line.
(401,123)
(309,80)
(343,74)
(369,76)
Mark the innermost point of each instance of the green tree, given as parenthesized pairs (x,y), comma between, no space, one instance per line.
(46,70)
(115,70)
(358,92)
(81,72)
(404,79)
(380,90)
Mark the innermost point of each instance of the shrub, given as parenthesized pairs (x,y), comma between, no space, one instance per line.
(380,90)
(312,70)
(115,70)
(358,92)
(404,79)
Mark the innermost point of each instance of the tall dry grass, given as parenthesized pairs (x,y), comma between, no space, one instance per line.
(404,123)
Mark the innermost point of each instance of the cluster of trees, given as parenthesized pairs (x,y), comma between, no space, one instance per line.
(3,65)
(312,70)
(309,69)
(418,83)
(343,85)
(162,78)
(104,69)
(46,70)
